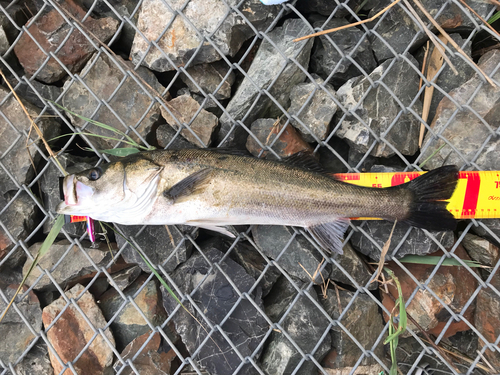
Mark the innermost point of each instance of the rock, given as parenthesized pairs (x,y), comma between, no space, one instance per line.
(416,243)
(128,323)
(361,161)
(50,30)
(362,370)
(208,77)
(362,321)
(487,318)
(453,285)
(13,327)
(281,295)
(49,184)
(36,89)
(333,156)
(481,250)
(379,109)
(166,136)
(20,219)
(265,69)
(328,51)
(266,130)
(493,226)
(74,267)
(354,266)
(125,277)
(131,103)
(13,125)
(149,361)
(201,122)
(212,19)
(305,324)
(36,362)
(447,80)
(274,242)
(158,246)
(70,333)
(466,130)
(396,29)
(245,326)
(254,264)
(326,8)
(312,116)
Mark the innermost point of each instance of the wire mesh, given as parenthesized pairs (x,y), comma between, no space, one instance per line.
(128,69)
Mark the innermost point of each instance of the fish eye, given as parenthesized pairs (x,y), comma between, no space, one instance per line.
(94,174)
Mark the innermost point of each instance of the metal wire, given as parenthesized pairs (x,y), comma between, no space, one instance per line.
(302,291)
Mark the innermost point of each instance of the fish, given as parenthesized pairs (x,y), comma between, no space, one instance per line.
(212,189)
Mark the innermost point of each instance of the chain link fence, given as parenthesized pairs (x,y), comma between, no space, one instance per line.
(269,301)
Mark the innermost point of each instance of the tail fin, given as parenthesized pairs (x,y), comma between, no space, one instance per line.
(431,192)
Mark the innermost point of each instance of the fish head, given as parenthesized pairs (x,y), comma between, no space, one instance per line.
(118,192)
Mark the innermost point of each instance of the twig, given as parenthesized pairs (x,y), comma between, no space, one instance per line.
(385,249)
(275,125)
(422,126)
(481,18)
(349,25)
(487,362)
(482,51)
(451,41)
(338,297)
(431,36)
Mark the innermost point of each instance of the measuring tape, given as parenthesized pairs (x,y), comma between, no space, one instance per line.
(477,195)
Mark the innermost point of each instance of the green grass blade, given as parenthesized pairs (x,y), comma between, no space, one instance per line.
(432,155)
(49,240)
(101,136)
(494,18)
(433,260)
(121,151)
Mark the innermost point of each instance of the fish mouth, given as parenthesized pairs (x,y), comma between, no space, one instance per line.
(74,191)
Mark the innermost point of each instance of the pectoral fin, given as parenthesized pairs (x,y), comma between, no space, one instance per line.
(330,235)
(189,185)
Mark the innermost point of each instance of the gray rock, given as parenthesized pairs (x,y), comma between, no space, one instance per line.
(328,50)
(32,95)
(245,326)
(305,324)
(417,242)
(314,113)
(208,77)
(130,102)
(330,162)
(266,66)
(20,219)
(14,127)
(493,225)
(378,168)
(201,122)
(13,327)
(49,184)
(272,239)
(166,136)
(71,269)
(447,80)
(481,250)
(155,242)
(36,362)
(354,266)
(254,263)
(266,130)
(125,277)
(280,297)
(362,321)
(180,41)
(361,161)
(397,29)
(326,8)
(464,130)
(379,109)
(128,323)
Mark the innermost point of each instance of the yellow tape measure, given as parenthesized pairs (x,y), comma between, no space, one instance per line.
(477,195)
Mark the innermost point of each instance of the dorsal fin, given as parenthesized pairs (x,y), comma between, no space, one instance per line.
(306,160)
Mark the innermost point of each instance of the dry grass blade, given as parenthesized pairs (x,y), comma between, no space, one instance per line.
(274,130)
(487,362)
(481,18)
(435,63)
(451,41)
(350,25)
(385,249)
(431,36)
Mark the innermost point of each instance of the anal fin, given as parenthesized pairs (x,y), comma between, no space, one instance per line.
(211,226)
(330,235)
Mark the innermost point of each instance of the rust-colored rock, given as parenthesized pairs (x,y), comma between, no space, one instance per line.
(71,333)
(50,30)
(453,285)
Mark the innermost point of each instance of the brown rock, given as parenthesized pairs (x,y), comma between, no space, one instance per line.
(149,361)
(50,30)
(453,285)
(481,250)
(203,123)
(71,333)
(289,142)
